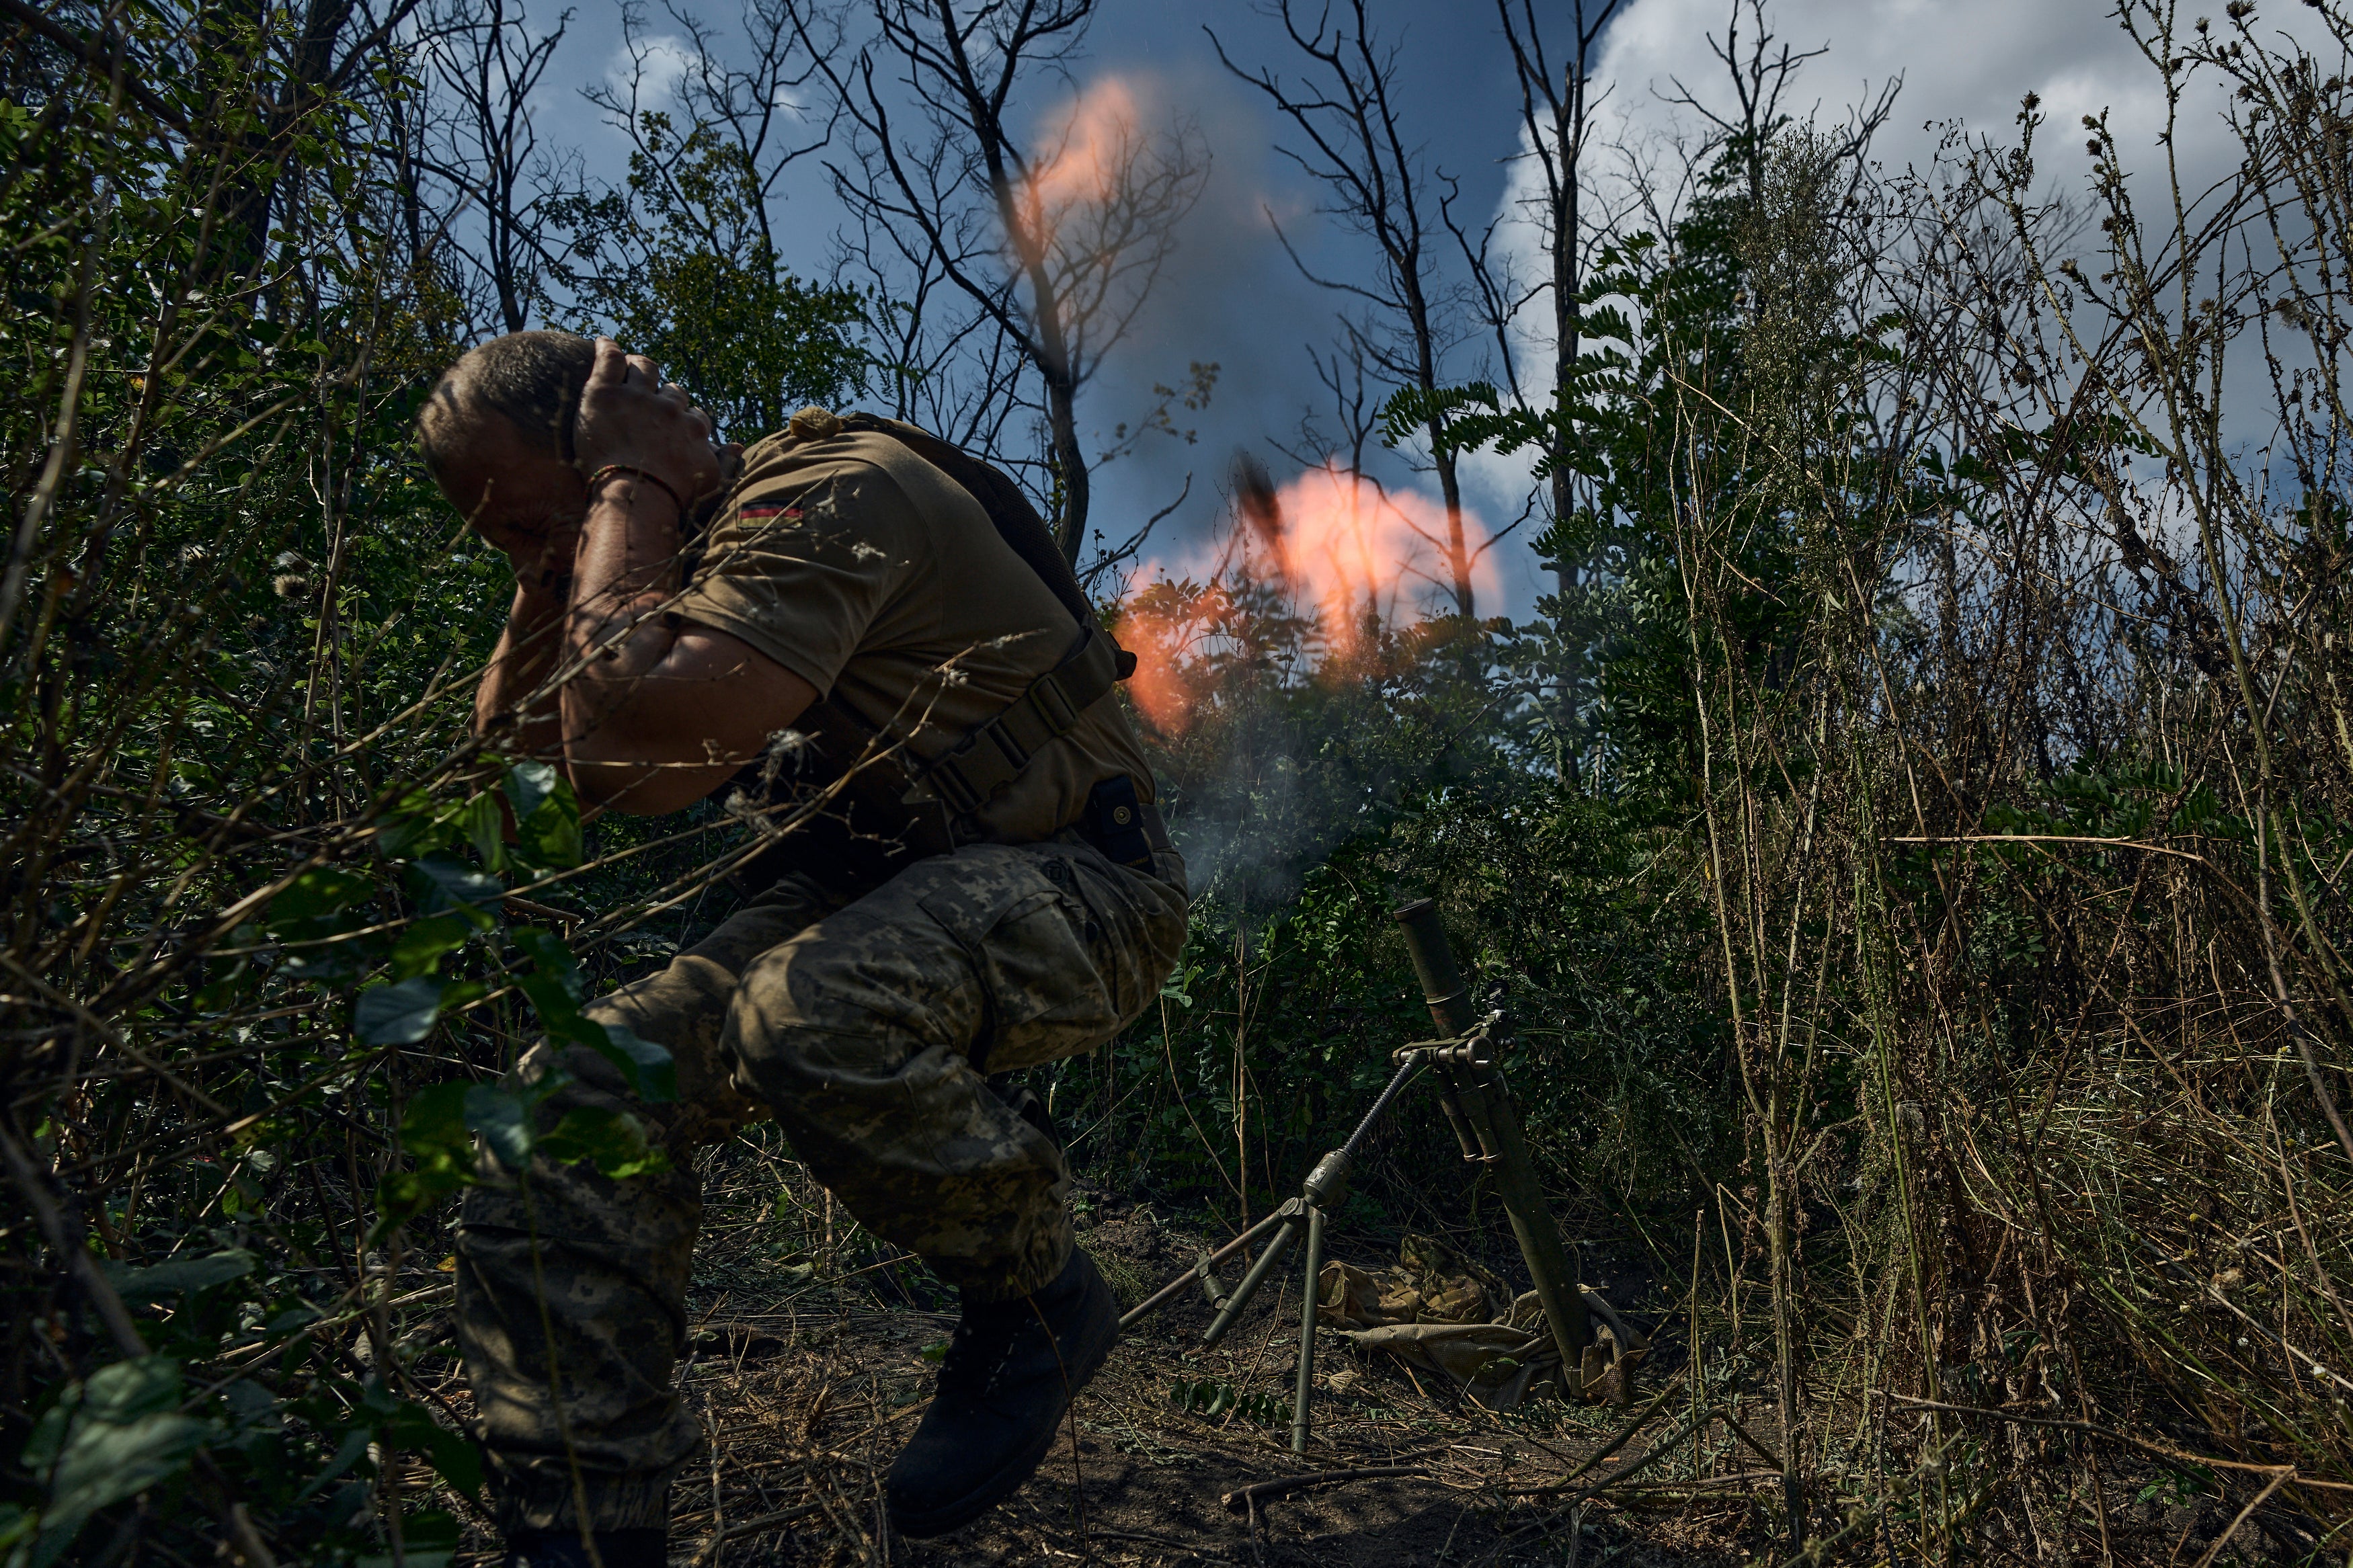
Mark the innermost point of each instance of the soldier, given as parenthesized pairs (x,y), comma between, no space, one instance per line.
(1008,897)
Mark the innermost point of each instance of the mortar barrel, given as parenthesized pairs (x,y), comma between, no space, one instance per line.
(1488,1105)
(1433,961)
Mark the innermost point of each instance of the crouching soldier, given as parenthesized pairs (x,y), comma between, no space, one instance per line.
(877,624)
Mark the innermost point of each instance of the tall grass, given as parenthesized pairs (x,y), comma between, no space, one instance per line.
(1952,907)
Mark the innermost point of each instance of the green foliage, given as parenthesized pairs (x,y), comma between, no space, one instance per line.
(680,265)
(1217,1399)
(106,1441)
(1925,918)
(250,841)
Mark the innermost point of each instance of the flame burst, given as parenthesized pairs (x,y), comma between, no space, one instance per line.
(1093,152)
(1351,554)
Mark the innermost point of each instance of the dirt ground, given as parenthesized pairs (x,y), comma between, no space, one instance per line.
(808,1380)
(808,1387)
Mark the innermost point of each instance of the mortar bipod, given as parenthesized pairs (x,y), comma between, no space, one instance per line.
(1326,1185)
(1487,1126)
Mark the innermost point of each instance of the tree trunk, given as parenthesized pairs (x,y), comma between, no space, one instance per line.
(1071,478)
(1569,329)
(1458,549)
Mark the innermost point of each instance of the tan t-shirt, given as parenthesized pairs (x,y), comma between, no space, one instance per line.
(879,581)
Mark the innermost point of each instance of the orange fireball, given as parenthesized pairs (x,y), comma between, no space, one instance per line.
(1350,554)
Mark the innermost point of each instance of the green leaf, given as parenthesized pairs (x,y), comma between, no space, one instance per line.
(398,1012)
(221,994)
(126,1436)
(552,837)
(529,786)
(652,1075)
(354,1444)
(432,1530)
(486,830)
(555,960)
(179,1276)
(434,1125)
(322,890)
(415,826)
(129,1389)
(422,945)
(48,1434)
(433,1133)
(454,1458)
(504,1121)
(449,883)
(547,816)
(317,903)
(614,1140)
(555,990)
(337,964)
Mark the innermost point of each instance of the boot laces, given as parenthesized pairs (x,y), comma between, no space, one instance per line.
(982,1343)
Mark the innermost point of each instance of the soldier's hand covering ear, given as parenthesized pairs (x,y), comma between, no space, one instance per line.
(629,418)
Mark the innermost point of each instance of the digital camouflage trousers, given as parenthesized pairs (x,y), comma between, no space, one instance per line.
(866,1028)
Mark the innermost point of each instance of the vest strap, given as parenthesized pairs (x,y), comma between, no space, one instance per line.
(967,776)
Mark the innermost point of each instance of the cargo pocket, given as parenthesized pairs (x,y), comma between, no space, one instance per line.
(1037,948)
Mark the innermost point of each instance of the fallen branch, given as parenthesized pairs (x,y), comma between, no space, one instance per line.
(1247,1497)
(1741,1433)
(747,1527)
(1611,1447)
(2160,1450)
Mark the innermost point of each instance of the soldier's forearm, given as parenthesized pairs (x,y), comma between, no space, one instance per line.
(627,568)
(526,656)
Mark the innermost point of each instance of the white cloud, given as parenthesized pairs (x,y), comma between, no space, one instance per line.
(1969,63)
(1965,68)
(659,65)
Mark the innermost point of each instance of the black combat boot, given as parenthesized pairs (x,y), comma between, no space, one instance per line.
(1011,1370)
(564,1548)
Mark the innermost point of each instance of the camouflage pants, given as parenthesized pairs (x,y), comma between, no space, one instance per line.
(865,1029)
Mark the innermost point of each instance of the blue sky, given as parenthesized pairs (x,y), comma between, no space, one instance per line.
(1231,296)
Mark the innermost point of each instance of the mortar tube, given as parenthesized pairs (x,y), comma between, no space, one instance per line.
(1555,1277)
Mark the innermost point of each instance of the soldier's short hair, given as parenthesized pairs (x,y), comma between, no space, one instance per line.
(532,380)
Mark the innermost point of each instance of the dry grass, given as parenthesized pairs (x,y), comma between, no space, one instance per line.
(808,1382)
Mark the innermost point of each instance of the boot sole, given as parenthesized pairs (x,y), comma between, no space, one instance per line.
(926,1524)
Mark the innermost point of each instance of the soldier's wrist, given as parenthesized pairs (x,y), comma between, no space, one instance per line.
(639,479)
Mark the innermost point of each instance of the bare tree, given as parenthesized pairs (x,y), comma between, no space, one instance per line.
(953,371)
(1055,242)
(1760,71)
(1556,106)
(751,119)
(1355,408)
(1355,147)
(489,63)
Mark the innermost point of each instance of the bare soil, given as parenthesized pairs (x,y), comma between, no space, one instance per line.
(808,1387)
(808,1382)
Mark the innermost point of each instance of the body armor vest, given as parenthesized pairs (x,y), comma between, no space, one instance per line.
(845,803)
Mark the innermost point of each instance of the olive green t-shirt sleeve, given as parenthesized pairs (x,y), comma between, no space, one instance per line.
(802,574)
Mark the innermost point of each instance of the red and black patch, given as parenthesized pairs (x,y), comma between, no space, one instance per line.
(762,512)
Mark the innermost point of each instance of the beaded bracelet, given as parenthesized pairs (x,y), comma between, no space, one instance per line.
(613,470)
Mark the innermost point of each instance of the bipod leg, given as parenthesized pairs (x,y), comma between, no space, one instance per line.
(1309,1298)
(1265,1266)
(1199,1271)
